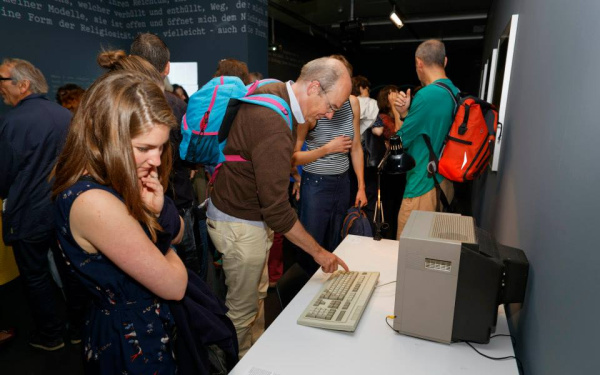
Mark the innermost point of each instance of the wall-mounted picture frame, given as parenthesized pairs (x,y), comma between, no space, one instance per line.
(498,92)
(492,76)
(484,79)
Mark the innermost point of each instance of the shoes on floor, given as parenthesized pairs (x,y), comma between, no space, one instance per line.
(40,342)
(74,335)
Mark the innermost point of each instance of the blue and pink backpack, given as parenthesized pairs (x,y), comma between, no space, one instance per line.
(210,114)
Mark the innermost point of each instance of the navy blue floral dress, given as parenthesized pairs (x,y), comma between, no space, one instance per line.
(128,329)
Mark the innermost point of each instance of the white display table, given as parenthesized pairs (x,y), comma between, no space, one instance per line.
(287,348)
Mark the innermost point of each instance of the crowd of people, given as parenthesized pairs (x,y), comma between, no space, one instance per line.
(96,179)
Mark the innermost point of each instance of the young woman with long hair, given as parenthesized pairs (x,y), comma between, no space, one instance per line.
(115,226)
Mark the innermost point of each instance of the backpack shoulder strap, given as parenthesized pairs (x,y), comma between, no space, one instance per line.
(266,81)
(462,129)
(273,102)
(432,171)
(455,98)
(256,84)
(433,158)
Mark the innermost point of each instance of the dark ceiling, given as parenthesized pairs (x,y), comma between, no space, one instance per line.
(381,51)
(459,20)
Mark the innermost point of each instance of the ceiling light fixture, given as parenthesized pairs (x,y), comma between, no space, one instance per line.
(273,47)
(395,18)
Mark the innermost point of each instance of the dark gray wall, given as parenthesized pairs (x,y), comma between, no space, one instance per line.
(62,38)
(543,198)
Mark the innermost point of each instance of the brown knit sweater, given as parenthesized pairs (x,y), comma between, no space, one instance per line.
(258,189)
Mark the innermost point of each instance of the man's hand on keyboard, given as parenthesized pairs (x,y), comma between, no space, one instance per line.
(329,262)
(301,238)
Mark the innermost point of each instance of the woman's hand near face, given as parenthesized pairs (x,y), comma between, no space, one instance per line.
(391,99)
(152,192)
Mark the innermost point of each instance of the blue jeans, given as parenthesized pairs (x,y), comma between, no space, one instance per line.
(323,205)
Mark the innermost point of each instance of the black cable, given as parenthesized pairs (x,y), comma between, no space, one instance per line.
(391,282)
(512,338)
(388,323)
(487,356)
(519,364)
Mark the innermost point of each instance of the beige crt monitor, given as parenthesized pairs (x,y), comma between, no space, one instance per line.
(428,267)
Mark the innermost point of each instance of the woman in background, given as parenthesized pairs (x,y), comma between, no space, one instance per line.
(114,224)
(180,92)
(235,68)
(361,88)
(69,96)
(388,121)
(392,186)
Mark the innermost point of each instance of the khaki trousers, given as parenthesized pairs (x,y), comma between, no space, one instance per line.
(245,250)
(429,201)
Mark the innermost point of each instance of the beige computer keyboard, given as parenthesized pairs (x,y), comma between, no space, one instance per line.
(341,301)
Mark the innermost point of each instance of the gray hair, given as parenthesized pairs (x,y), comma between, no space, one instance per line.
(432,52)
(326,70)
(22,70)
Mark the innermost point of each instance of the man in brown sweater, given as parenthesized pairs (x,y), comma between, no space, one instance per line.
(250,199)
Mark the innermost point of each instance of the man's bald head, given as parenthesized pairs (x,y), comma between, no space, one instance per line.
(326,70)
(432,53)
(323,86)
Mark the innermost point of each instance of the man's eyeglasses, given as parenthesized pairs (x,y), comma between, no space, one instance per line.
(331,109)
(5,79)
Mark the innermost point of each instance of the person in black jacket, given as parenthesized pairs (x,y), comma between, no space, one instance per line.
(31,137)
(153,49)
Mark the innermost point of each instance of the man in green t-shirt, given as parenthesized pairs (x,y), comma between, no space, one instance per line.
(429,113)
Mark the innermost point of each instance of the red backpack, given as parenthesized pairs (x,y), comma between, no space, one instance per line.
(469,143)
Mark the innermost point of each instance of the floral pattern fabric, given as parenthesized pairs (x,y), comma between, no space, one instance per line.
(128,330)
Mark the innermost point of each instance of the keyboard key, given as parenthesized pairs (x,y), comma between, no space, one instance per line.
(342,293)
